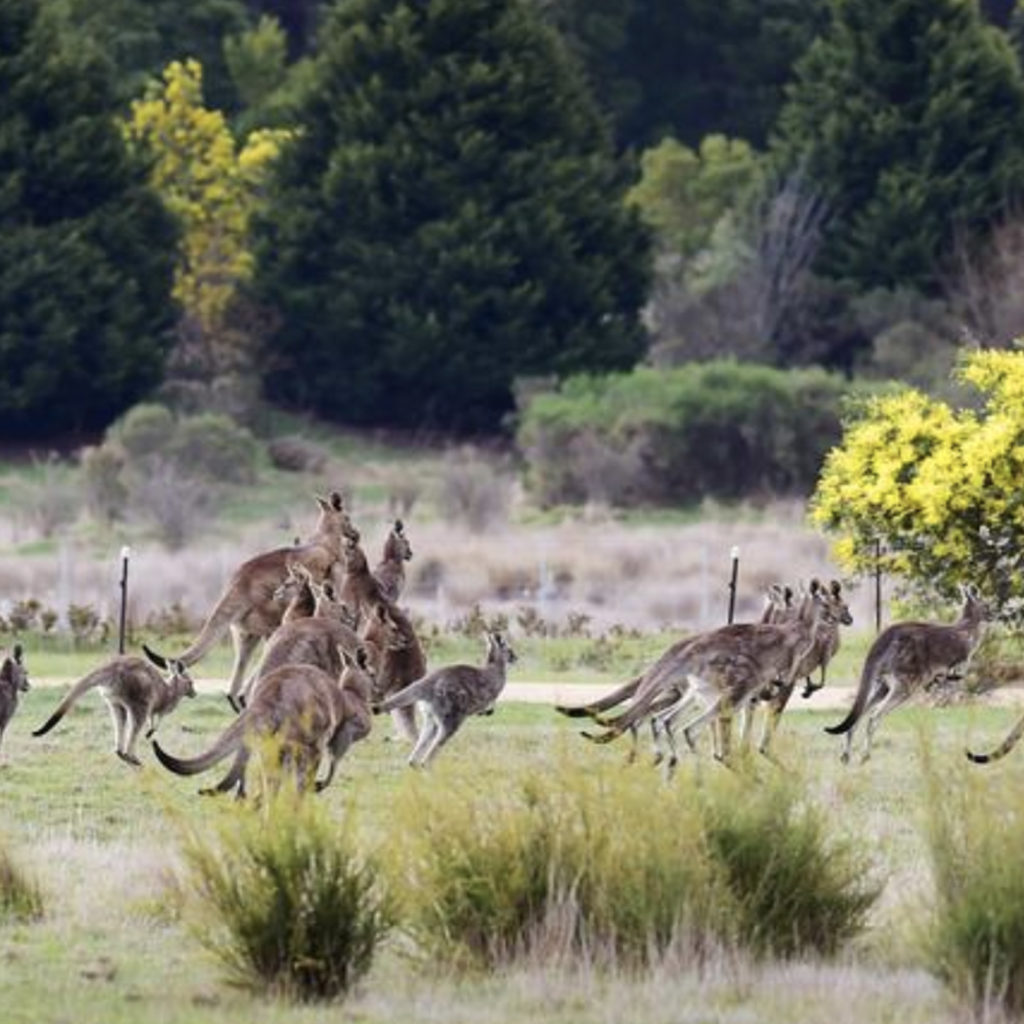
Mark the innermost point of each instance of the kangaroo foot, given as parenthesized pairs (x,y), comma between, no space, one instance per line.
(810,688)
(235,706)
(129,759)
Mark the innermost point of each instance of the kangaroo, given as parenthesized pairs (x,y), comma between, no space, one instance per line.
(247,606)
(359,588)
(390,571)
(722,670)
(448,696)
(13,681)
(320,640)
(907,657)
(1003,749)
(824,644)
(398,660)
(295,592)
(136,694)
(309,713)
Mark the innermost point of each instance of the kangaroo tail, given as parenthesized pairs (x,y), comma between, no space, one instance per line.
(860,701)
(226,611)
(229,741)
(1003,749)
(404,698)
(610,700)
(87,682)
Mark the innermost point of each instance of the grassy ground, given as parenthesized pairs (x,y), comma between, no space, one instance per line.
(102,839)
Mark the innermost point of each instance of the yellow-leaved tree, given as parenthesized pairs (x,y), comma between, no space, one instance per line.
(940,488)
(213,185)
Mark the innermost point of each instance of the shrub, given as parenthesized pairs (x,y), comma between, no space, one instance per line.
(721,429)
(473,492)
(143,430)
(296,455)
(105,491)
(20,898)
(974,934)
(795,891)
(174,503)
(607,865)
(215,448)
(285,902)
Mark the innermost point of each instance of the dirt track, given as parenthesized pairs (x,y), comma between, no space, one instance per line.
(831,698)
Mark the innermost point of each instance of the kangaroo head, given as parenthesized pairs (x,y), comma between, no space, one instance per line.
(178,678)
(498,649)
(297,579)
(836,608)
(13,671)
(397,547)
(975,607)
(334,519)
(398,631)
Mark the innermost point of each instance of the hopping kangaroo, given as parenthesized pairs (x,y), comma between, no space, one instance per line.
(136,694)
(448,696)
(721,671)
(824,644)
(247,605)
(307,712)
(390,571)
(907,657)
(13,681)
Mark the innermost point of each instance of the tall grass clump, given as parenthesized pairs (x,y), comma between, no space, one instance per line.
(20,898)
(974,935)
(796,889)
(285,900)
(560,862)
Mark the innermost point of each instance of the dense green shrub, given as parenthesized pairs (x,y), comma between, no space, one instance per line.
(722,429)
(285,902)
(213,446)
(143,430)
(974,936)
(796,890)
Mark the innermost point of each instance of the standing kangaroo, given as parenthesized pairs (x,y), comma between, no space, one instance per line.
(907,657)
(359,588)
(449,695)
(13,681)
(247,605)
(390,571)
(319,639)
(307,712)
(136,694)
(398,660)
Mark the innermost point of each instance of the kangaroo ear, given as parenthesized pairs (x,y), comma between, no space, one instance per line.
(178,667)
(362,658)
(836,587)
(336,501)
(788,594)
(158,659)
(399,526)
(815,586)
(17,653)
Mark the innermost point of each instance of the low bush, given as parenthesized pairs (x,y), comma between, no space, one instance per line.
(285,902)
(720,430)
(20,898)
(473,492)
(973,938)
(215,448)
(295,454)
(795,889)
(610,866)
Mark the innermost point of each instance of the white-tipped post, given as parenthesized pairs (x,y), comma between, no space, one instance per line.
(125,555)
(734,554)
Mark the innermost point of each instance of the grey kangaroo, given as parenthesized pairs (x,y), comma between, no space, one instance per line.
(390,571)
(13,682)
(908,657)
(136,694)
(449,695)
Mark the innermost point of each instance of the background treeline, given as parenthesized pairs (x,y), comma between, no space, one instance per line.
(434,215)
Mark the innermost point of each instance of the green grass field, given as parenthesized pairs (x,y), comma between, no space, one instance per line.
(102,839)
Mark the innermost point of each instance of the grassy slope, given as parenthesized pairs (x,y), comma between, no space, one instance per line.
(102,840)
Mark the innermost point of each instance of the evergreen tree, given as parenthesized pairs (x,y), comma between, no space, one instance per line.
(86,249)
(909,116)
(449,218)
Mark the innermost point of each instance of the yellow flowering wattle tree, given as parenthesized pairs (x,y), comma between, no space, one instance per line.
(941,489)
(213,186)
